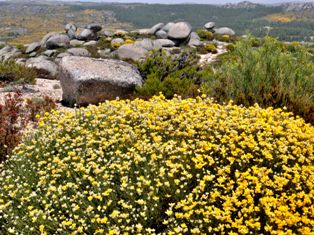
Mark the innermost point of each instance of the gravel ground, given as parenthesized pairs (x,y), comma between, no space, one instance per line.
(42,88)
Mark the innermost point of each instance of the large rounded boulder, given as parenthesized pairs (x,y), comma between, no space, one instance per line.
(44,67)
(57,41)
(224,31)
(132,52)
(180,31)
(90,81)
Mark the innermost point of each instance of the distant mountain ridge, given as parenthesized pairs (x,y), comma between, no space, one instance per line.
(242,5)
(298,7)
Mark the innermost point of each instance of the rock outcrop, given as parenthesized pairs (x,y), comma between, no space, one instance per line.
(45,68)
(90,81)
(132,52)
(180,31)
(32,47)
(224,31)
(9,52)
(56,40)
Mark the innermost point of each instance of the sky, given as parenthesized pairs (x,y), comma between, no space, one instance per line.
(203,1)
(196,1)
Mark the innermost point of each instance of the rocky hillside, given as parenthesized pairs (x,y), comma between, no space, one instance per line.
(84,60)
(299,7)
(27,21)
(243,5)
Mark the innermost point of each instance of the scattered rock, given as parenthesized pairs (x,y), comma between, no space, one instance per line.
(167,27)
(156,28)
(33,54)
(145,43)
(70,30)
(144,31)
(161,34)
(108,34)
(117,42)
(32,47)
(163,43)
(75,43)
(131,51)
(49,53)
(94,27)
(90,43)
(104,53)
(46,38)
(70,26)
(21,61)
(45,68)
(194,35)
(57,41)
(78,52)
(194,40)
(63,54)
(9,52)
(180,31)
(87,34)
(120,33)
(90,81)
(210,26)
(224,31)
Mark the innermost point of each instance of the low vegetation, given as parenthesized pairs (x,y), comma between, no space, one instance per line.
(11,72)
(171,74)
(263,71)
(162,167)
(272,74)
(15,115)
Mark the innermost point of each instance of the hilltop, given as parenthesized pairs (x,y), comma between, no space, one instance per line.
(27,21)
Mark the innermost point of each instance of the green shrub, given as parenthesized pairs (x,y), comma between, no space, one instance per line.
(103,43)
(230,47)
(293,46)
(205,35)
(115,45)
(93,50)
(210,47)
(268,75)
(174,74)
(225,38)
(21,47)
(16,73)
(161,167)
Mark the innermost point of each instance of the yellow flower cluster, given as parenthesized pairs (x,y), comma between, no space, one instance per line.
(162,167)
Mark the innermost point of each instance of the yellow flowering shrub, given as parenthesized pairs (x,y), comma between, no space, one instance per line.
(162,167)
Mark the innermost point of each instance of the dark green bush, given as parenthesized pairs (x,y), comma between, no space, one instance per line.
(93,50)
(16,73)
(205,35)
(230,47)
(171,74)
(21,47)
(225,38)
(210,47)
(269,75)
(103,43)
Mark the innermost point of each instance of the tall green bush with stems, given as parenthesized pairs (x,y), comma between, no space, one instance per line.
(270,75)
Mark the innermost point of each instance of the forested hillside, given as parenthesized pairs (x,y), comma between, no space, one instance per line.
(286,23)
(242,20)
